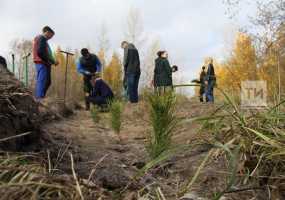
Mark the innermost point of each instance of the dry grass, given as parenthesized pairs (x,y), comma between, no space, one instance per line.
(259,136)
(23,177)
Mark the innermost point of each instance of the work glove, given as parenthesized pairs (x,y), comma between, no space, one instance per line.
(87,73)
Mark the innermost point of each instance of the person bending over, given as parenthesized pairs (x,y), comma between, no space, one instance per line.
(101,94)
(88,65)
(132,71)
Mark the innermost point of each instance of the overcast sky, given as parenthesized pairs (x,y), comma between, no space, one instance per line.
(189,29)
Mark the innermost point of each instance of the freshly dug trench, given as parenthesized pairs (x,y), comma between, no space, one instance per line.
(19,114)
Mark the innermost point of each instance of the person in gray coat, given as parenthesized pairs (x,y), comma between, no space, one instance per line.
(132,71)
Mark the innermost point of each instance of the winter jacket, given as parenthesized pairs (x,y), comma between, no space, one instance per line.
(131,60)
(42,53)
(162,73)
(211,76)
(101,89)
(91,65)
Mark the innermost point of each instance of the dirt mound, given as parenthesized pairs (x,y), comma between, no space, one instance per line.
(19,114)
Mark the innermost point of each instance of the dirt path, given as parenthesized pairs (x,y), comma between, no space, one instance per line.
(116,163)
(99,144)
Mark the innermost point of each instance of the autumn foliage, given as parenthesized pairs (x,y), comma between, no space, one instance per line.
(112,74)
(247,63)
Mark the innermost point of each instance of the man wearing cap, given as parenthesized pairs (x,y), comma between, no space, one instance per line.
(88,65)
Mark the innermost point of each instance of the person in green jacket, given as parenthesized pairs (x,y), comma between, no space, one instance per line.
(163,73)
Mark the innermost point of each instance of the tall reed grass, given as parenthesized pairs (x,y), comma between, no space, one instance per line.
(259,136)
(23,178)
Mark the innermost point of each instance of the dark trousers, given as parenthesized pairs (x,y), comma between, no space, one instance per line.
(87,84)
(133,85)
(87,87)
(99,100)
(210,91)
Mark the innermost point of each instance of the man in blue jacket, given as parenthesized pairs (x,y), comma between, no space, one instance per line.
(88,65)
(101,94)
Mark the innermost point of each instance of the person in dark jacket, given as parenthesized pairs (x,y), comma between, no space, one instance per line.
(101,94)
(210,81)
(202,84)
(43,59)
(3,62)
(163,73)
(132,71)
(88,65)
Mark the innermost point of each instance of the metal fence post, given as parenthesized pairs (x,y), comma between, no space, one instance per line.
(13,63)
(27,69)
(68,54)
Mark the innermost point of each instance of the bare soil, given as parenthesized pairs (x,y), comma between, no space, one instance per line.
(105,161)
(116,162)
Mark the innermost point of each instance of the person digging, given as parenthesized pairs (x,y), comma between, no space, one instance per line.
(101,94)
(88,65)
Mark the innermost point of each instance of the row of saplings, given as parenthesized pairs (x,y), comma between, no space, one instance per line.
(252,142)
(242,137)
(162,118)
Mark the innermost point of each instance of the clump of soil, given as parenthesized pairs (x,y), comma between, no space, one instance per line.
(19,114)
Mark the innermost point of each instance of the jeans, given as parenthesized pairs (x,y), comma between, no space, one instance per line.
(132,86)
(210,91)
(43,80)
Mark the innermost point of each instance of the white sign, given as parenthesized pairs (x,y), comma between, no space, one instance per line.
(253,94)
